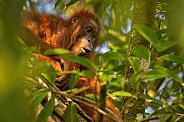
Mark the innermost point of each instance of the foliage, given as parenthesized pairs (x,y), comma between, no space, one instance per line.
(165,87)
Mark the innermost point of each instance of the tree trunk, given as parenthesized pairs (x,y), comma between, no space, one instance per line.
(143,13)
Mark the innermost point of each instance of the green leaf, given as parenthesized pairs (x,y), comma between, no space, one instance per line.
(39,96)
(172,58)
(47,111)
(154,74)
(134,62)
(123,94)
(147,33)
(112,55)
(80,90)
(140,51)
(134,78)
(70,114)
(163,31)
(162,46)
(48,72)
(87,73)
(91,96)
(58,2)
(57,51)
(51,77)
(39,92)
(154,101)
(73,80)
(179,108)
(80,60)
(162,111)
(161,73)
(71,2)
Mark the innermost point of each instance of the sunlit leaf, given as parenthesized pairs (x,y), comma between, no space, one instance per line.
(147,33)
(57,51)
(123,94)
(172,58)
(82,89)
(140,51)
(91,96)
(47,111)
(70,114)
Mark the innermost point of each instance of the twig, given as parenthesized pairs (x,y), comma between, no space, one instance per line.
(82,113)
(150,118)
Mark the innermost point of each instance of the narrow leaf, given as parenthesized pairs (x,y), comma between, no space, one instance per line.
(112,55)
(39,92)
(73,80)
(87,73)
(147,33)
(71,2)
(57,51)
(82,89)
(161,73)
(48,72)
(80,60)
(140,51)
(51,77)
(70,114)
(123,94)
(172,58)
(134,78)
(163,31)
(134,62)
(162,46)
(162,111)
(158,102)
(39,96)
(47,111)
(58,2)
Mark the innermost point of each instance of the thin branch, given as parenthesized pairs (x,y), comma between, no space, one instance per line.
(150,118)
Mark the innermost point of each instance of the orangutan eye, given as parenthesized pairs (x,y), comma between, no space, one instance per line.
(89,29)
(74,20)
